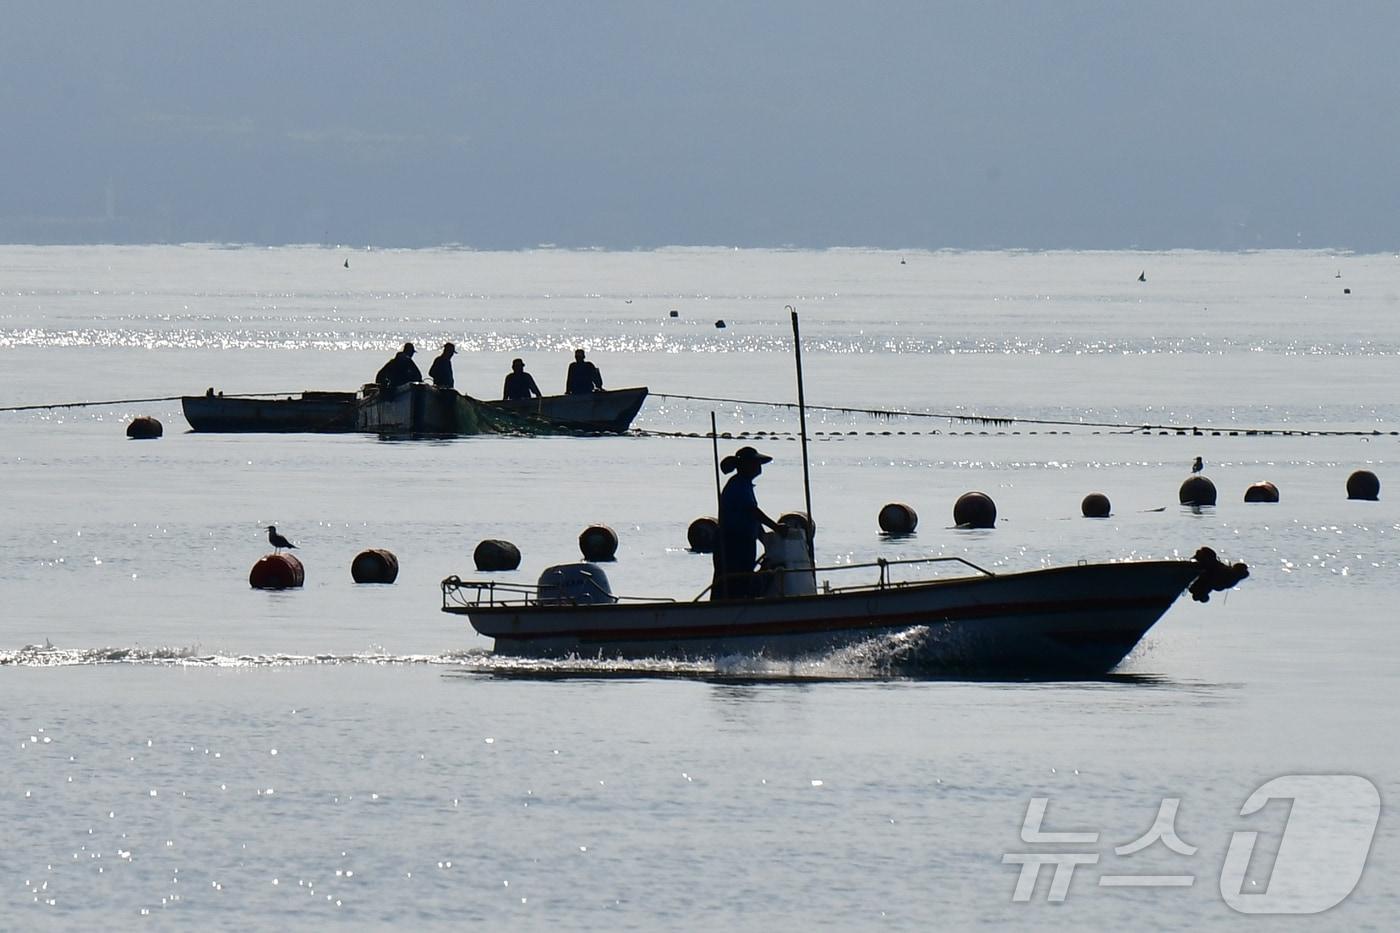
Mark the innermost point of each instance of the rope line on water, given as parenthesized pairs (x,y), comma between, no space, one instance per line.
(842,409)
(1010,420)
(139,401)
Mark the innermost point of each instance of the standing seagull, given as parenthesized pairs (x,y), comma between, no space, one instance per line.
(279,542)
(1195,468)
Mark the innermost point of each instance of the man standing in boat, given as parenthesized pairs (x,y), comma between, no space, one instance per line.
(441,370)
(520,385)
(399,371)
(741,521)
(583,376)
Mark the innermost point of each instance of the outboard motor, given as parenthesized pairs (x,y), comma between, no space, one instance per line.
(785,555)
(574,585)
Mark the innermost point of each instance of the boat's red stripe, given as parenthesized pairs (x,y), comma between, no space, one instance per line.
(796,626)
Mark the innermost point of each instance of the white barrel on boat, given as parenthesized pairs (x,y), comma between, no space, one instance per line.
(574,584)
(785,555)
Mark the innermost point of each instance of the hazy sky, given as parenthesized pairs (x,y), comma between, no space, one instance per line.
(1215,124)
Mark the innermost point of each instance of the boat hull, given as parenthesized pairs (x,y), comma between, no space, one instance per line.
(313,412)
(1081,619)
(609,410)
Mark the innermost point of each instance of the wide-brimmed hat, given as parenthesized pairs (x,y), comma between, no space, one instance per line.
(449,347)
(743,455)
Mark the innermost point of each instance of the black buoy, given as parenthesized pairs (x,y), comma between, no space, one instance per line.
(144,428)
(1261,492)
(1197,490)
(1363,484)
(675,313)
(598,543)
(277,572)
(975,510)
(1096,505)
(702,535)
(720,323)
(494,554)
(1346,291)
(897,519)
(375,565)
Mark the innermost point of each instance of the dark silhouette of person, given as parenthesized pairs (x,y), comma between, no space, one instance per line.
(583,376)
(519,384)
(399,371)
(741,521)
(441,370)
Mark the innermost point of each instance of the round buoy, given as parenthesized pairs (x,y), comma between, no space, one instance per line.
(720,324)
(375,565)
(277,572)
(1197,490)
(1363,484)
(675,313)
(896,518)
(798,520)
(1096,505)
(1261,492)
(144,428)
(494,554)
(702,534)
(598,543)
(975,510)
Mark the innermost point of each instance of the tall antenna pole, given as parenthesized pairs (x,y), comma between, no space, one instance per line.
(802,425)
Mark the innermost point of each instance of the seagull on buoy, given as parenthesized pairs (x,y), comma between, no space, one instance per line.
(1197,466)
(279,542)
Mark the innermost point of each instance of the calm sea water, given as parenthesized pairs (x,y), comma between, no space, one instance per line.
(186,751)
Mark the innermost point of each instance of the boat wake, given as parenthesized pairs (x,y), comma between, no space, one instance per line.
(920,652)
(49,656)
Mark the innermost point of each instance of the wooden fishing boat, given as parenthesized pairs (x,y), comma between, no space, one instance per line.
(606,410)
(313,412)
(1075,620)
(413,409)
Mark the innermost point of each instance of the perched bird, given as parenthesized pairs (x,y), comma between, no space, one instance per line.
(1142,276)
(347,263)
(276,540)
(1197,466)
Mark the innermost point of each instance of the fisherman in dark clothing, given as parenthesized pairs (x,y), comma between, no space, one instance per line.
(741,521)
(401,370)
(519,384)
(441,370)
(583,376)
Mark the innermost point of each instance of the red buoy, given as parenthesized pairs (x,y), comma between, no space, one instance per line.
(975,510)
(277,572)
(375,565)
(493,555)
(702,535)
(1363,484)
(598,543)
(1261,492)
(144,428)
(1096,505)
(898,519)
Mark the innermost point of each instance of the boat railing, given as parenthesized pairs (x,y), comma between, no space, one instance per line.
(462,594)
